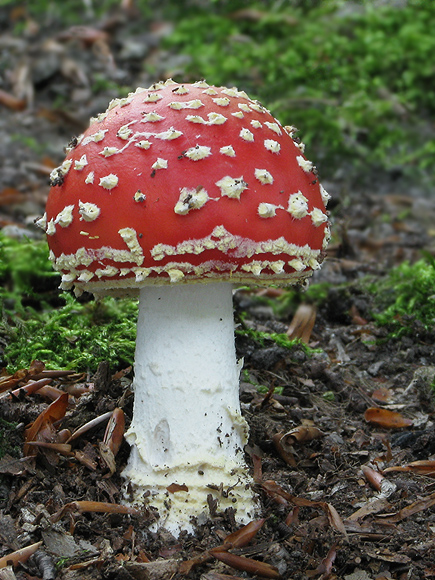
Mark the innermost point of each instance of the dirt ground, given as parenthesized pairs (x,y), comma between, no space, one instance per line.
(332,507)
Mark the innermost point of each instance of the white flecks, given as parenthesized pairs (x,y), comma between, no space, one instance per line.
(85,276)
(160,164)
(298,205)
(326,238)
(254,267)
(152,117)
(65,217)
(297,264)
(272,145)
(190,199)
(267,210)
(318,217)
(244,107)
(129,236)
(139,196)
(152,98)
(67,280)
(108,151)
(51,228)
(140,274)
(299,145)
(325,195)
(109,181)
(222,101)
(124,132)
(202,84)
(60,172)
(231,92)
(138,91)
(169,82)
(210,91)
(181,90)
(213,119)
(156,86)
(277,267)
(232,186)
(306,165)
(95,137)
(263,176)
(258,107)
(108,271)
(256,124)
(82,233)
(196,119)
(198,152)
(42,222)
(80,164)
(291,130)
(90,177)
(313,263)
(168,135)
(228,150)
(216,119)
(88,211)
(99,118)
(119,102)
(246,134)
(238,115)
(178,105)
(175,275)
(274,127)
(143,144)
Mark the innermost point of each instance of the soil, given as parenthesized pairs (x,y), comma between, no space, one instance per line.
(332,508)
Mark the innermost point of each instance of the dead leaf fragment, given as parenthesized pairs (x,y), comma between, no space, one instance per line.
(45,420)
(244,535)
(386,418)
(247,564)
(93,506)
(302,323)
(19,556)
(421,467)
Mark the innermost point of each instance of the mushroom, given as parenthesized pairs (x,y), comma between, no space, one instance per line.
(175,194)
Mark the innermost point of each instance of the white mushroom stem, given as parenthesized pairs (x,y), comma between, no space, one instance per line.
(187,428)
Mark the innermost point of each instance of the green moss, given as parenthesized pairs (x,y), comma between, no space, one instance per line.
(406,295)
(316,65)
(63,332)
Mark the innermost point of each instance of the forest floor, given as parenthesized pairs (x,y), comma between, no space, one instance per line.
(334,504)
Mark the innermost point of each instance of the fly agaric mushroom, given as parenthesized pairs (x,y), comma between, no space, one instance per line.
(176,193)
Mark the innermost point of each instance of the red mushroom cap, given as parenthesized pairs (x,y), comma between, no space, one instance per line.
(180,183)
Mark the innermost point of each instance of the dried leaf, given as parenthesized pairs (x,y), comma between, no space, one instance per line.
(115,431)
(325,566)
(30,387)
(386,418)
(19,556)
(373,477)
(247,564)
(382,395)
(285,452)
(275,490)
(302,323)
(50,415)
(244,535)
(422,467)
(90,425)
(417,506)
(93,506)
(11,102)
